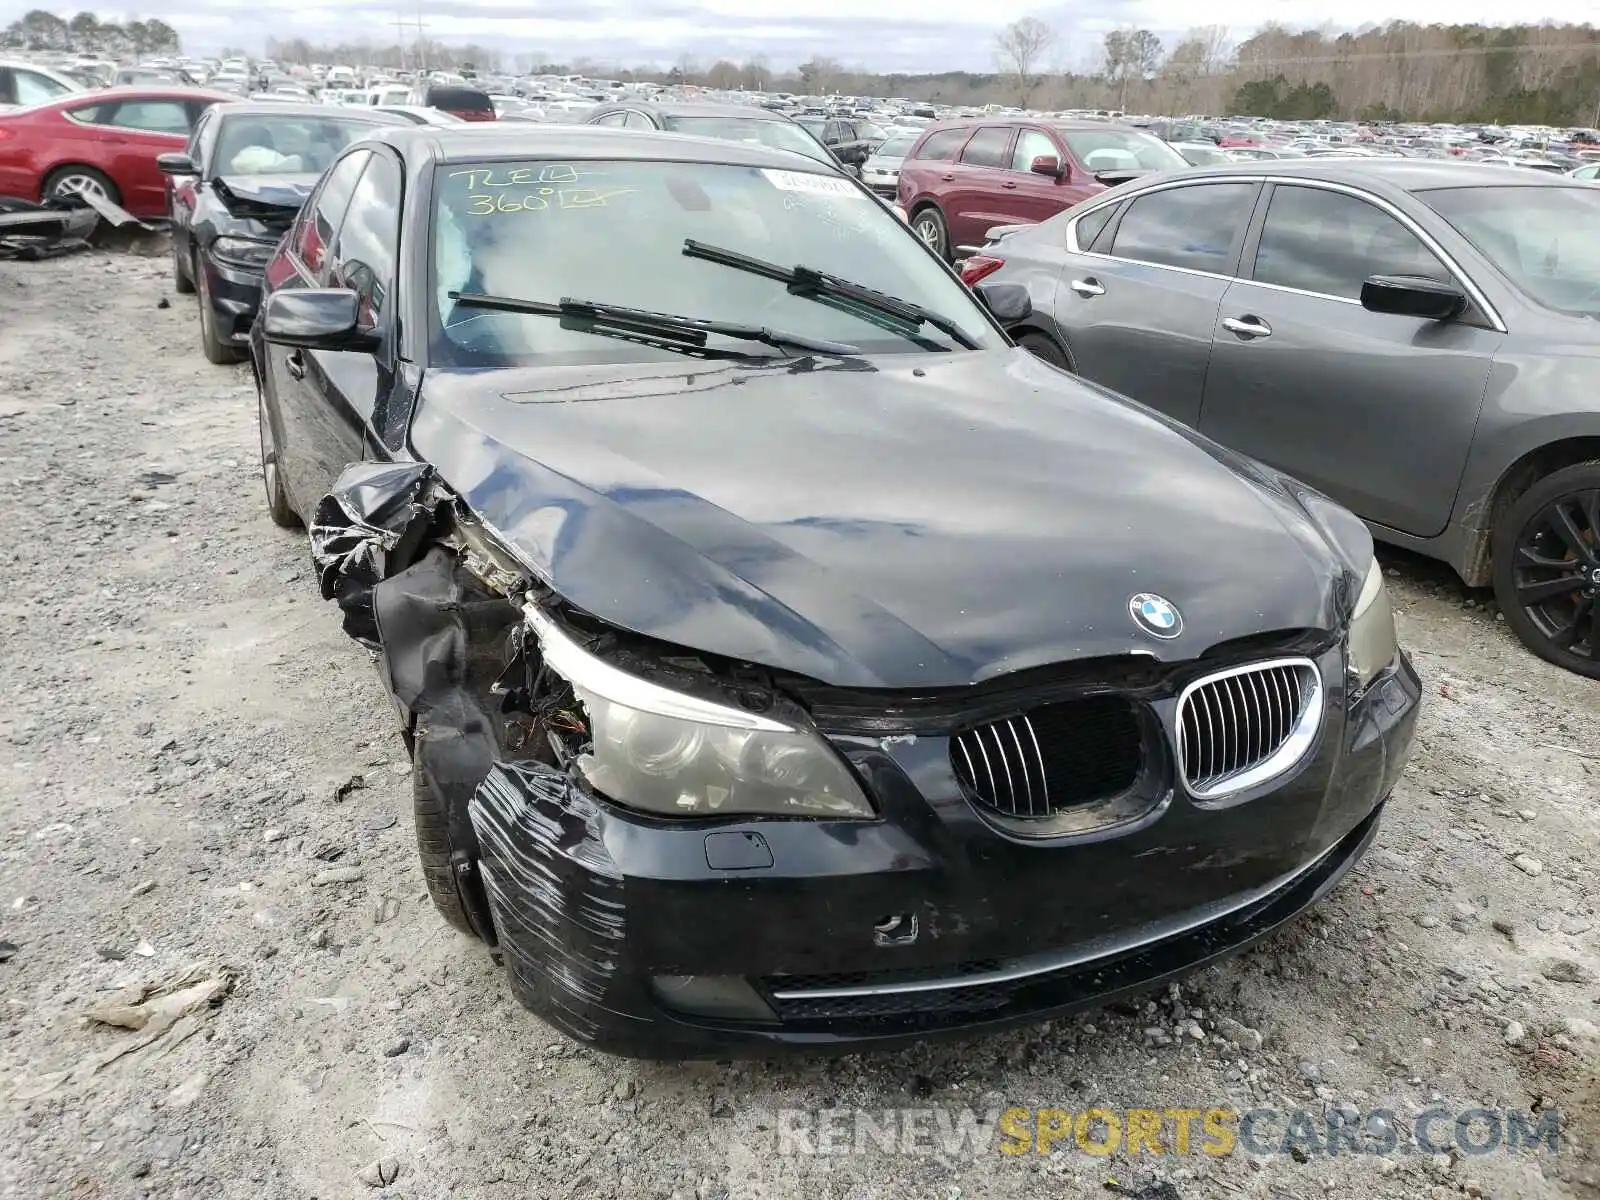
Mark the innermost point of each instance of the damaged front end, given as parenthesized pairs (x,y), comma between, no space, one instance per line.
(677,855)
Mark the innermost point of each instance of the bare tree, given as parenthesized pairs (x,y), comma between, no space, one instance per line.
(1019,47)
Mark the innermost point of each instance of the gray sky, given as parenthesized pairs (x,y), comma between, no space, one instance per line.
(898,35)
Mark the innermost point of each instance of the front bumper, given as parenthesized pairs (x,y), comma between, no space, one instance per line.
(600,913)
(235,294)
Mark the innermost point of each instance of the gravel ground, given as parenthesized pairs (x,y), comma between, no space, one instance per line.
(196,767)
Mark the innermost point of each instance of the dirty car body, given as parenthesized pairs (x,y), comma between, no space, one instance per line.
(235,189)
(834,678)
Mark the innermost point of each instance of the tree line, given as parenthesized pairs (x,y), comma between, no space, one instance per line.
(1545,74)
(87,33)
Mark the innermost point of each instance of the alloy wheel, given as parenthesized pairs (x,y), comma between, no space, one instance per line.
(928,231)
(80,185)
(1556,572)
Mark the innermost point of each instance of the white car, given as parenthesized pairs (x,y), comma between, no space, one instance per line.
(1589,171)
(24,83)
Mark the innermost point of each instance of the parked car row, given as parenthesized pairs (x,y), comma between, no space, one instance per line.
(768,628)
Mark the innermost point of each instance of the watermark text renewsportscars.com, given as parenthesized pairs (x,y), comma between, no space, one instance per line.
(1216,1131)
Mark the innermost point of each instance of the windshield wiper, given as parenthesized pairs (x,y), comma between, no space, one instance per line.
(666,328)
(808,281)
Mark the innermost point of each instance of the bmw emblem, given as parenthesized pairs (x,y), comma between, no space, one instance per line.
(1156,616)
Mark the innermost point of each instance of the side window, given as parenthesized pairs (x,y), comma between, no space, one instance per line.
(1032,144)
(33,88)
(1329,242)
(1091,226)
(320,220)
(847,132)
(612,119)
(942,146)
(637,120)
(989,147)
(202,139)
(364,255)
(149,116)
(1191,227)
(830,133)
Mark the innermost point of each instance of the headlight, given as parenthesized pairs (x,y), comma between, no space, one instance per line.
(667,752)
(1372,638)
(242,252)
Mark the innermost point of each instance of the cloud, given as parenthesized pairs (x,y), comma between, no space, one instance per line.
(897,35)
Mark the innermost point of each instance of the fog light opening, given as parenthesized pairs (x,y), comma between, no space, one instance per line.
(727,997)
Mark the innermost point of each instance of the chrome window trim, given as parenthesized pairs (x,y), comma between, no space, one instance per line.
(1449,262)
(1422,235)
(1295,747)
(1087,952)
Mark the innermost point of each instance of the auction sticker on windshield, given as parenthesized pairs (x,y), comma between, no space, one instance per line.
(819,185)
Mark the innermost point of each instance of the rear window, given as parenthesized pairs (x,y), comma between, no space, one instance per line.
(942,145)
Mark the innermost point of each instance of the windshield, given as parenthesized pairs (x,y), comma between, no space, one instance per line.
(1121,150)
(780,135)
(1547,239)
(283,144)
(614,233)
(895,147)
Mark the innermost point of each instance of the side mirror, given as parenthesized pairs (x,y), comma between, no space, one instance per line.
(1007,303)
(1048,164)
(176,164)
(1412,296)
(317,319)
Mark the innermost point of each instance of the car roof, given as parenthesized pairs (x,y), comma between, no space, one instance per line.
(671,108)
(516,139)
(1402,174)
(279,108)
(153,92)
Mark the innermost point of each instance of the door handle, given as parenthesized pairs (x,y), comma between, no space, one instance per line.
(1247,327)
(295,365)
(1009,185)
(1087,287)
(947,178)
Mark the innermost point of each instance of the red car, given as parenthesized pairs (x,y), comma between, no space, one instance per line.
(103,142)
(959,181)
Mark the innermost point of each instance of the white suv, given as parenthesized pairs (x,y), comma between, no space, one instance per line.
(28,83)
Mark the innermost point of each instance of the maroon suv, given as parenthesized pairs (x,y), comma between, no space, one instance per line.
(960,180)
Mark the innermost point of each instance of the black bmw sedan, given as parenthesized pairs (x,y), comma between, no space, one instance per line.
(234,190)
(787,659)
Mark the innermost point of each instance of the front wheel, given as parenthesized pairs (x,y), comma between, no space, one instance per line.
(181,283)
(929,225)
(278,506)
(1043,347)
(216,350)
(1546,551)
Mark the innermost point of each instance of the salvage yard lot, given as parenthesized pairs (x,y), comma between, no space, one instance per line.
(197,766)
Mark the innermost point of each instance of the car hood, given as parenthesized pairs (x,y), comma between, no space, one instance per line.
(272,200)
(913,522)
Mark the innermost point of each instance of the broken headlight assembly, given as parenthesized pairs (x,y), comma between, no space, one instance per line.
(243,253)
(1373,643)
(659,750)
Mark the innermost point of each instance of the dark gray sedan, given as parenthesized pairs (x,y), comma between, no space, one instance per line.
(1419,340)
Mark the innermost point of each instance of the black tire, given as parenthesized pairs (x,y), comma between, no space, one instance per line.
(216,350)
(181,283)
(1044,347)
(1551,536)
(928,224)
(62,175)
(278,506)
(435,849)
